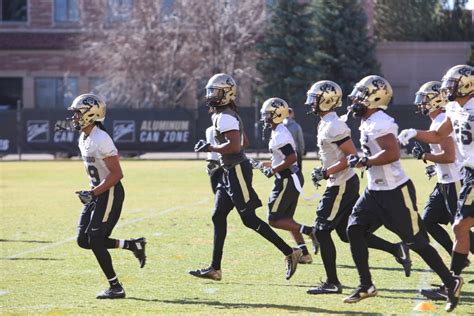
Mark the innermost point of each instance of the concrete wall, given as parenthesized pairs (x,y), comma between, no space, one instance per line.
(407,65)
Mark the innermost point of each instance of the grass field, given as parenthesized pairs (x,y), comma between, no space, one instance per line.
(42,270)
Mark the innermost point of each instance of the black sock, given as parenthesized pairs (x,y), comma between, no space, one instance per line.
(128,244)
(440,235)
(458,260)
(304,249)
(376,242)
(432,258)
(328,255)
(114,283)
(360,253)
(307,230)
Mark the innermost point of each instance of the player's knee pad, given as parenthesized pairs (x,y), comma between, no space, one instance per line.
(83,241)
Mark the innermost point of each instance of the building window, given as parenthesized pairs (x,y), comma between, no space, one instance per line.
(66,10)
(11,90)
(120,10)
(55,92)
(14,10)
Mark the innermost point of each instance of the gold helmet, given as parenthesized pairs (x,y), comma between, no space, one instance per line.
(221,89)
(428,98)
(274,110)
(458,82)
(88,108)
(324,96)
(371,92)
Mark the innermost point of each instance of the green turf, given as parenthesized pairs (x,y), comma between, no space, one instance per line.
(42,270)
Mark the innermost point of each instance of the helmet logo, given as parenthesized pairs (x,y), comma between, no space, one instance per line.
(229,82)
(90,101)
(465,71)
(436,87)
(379,84)
(327,88)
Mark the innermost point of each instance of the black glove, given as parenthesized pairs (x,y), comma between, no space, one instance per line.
(318,175)
(418,151)
(268,172)
(212,166)
(430,171)
(86,197)
(201,146)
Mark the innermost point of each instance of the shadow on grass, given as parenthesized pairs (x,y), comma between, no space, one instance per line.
(33,259)
(224,305)
(27,241)
(347,266)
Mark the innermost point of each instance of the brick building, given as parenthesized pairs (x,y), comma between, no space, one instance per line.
(40,62)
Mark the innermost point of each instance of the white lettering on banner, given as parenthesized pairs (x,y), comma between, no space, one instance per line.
(4,144)
(165,125)
(164,131)
(62,136)
(37,131)
(149,137)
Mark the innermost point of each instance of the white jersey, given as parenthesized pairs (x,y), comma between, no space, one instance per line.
(210,138)
(94,148)
(384,177)
(446,172)
(280,137)
(331,130)
(462,118)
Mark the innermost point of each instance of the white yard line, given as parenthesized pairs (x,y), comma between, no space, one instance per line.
(125,223)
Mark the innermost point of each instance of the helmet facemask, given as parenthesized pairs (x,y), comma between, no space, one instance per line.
(449,89)
(267,119)
(312,103)
(359,101)
(214,96)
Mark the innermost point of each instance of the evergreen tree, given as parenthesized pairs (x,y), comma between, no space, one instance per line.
(407,20)
(344,51)
(423,20)
(285,54)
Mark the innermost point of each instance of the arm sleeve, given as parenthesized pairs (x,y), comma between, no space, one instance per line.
(107,147)
(341,141)
(287,150)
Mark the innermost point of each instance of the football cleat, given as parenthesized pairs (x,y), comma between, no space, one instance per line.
(454,294)
(291,262)
(315,243)
(403,257)
(139,250)
(435,294)
(207,273)
(361,293)
(326,288)
(306,259)
(111,293)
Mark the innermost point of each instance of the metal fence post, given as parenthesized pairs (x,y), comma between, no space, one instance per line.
(19,133)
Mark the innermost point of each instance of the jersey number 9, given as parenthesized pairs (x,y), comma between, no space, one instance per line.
(94,175)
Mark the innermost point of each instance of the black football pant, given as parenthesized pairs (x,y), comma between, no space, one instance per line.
(96,224)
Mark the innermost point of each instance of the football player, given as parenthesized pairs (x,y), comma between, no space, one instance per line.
(457,86)
(342,186)
(442,203)
(390,197)
(288,177)
(236,188)
(103,201)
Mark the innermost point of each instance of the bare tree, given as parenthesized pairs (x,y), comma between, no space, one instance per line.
(153,59)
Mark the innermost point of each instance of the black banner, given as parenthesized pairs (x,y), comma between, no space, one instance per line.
(151,130)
